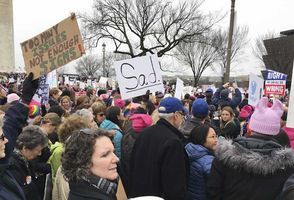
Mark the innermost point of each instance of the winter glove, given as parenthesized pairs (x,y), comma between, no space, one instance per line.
(29,88)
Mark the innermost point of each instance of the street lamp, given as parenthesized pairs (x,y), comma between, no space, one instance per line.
(103,51)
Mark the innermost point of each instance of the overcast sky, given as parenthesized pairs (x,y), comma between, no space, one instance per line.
(31,17)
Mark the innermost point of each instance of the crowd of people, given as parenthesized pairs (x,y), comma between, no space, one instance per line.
(91,144)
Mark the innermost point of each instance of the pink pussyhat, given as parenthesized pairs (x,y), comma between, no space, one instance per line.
(265,120)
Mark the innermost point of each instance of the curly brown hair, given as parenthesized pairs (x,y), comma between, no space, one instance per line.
(76,158)
(69,125)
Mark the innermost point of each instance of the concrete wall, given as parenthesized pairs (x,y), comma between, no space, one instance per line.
(7,63)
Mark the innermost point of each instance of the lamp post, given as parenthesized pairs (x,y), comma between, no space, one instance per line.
(229,50)
(103,51)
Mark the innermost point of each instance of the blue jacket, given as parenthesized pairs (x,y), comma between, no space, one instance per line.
(109,125)
(200,163)
(14,121)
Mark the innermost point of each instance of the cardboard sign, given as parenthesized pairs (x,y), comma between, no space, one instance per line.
(53,48)
(136,76)
(179,88)
(275,83)
(255,89)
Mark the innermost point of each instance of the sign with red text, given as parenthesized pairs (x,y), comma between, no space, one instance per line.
(137,75)
(275,83)
(53,48)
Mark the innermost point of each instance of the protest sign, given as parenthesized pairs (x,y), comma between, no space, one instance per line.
(275,83)
(53,48)
(102,82)
(136,76)
(41,97)
(255,89)
(52,79)
(179,89)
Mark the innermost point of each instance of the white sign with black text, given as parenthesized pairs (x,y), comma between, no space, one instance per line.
(137,75)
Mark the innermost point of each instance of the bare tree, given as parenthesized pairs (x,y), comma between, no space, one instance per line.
(139,26)
(87,66)
(259,49)
(198,56)
(239,43)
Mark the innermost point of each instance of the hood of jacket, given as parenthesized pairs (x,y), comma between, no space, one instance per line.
(109,125)
(257,156)
(55,146)
(196,151)
(188,125)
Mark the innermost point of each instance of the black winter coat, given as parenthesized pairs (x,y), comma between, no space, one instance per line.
(25,176)
(14,121)
(159,163)
(249,168)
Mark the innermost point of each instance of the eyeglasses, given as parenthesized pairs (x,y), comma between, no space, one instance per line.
(2,137)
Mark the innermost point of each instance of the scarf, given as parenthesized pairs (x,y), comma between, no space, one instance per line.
(104,185)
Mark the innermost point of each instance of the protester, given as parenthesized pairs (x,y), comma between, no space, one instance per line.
(112,122)
(90,165)
(229,125)
(254,167)
(99,110)
(88,116)
(66,129)
(54,95)
(66,104)
(200,113)
(159,163)
(15,120)
(83,101)
(200,152)
(139,123)
(29,144)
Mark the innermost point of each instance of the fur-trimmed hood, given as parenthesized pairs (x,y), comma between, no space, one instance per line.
(256,156)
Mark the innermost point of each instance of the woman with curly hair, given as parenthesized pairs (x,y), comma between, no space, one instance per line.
(90,165)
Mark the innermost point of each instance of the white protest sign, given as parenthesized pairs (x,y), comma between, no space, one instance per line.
(290,117)
(89,82)
(82,85)
(52,79)
(102,82)
(179,88)
(255,89)
(136,76)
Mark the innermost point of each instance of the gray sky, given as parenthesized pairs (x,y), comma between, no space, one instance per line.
(31,17)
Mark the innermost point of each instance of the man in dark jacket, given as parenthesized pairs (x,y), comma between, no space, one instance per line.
(254,167)
(221,97)
(158,164)
(200,117)
(14,121)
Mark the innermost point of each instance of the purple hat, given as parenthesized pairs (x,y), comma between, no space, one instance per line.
(265,120)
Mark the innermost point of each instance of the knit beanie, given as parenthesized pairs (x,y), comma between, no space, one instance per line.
(200,108)
(12,97)
(265,120)
(140,121)
(246,111)
(120,103)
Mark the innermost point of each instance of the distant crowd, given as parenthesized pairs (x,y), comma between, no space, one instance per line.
(91,144)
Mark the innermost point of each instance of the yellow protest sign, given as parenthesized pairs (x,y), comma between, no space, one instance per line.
(53,48)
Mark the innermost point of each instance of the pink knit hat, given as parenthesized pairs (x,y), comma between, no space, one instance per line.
(266,120)
(140,121)
(120,103)
(12,97)
(246,111)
